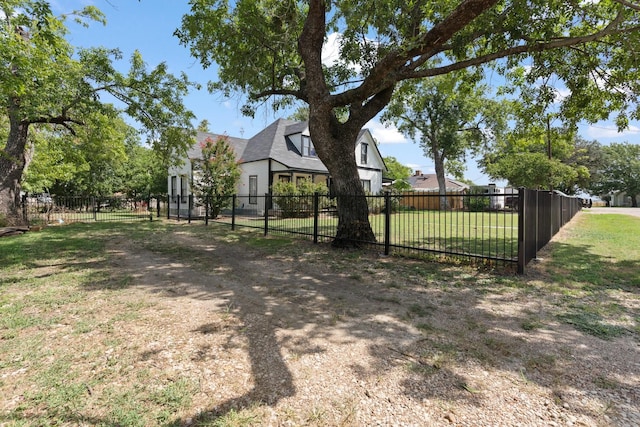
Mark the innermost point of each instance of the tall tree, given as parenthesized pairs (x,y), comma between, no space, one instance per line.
(620,171)
(449,116)
(90,161)
(144,173)
(44,81)
(545,158)
(382,43)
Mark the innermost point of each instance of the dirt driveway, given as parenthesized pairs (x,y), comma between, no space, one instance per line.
(614,210)
(287,338)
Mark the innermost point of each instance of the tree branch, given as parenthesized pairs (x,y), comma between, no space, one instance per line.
(310,47)
(59,120)
(629,4)
(525,48)
(387,72)
(283,92)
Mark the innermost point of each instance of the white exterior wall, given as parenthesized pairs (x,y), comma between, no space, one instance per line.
(183,170)
(371,171)
(374,177)
(374,161)
(260,169)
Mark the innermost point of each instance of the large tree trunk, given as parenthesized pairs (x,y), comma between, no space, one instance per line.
(335,142)
(13,161)
(335,145)
(438,161)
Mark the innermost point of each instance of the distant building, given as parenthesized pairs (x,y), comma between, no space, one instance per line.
(429,182)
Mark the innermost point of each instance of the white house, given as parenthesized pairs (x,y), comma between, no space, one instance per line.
(283,151)
(621,198)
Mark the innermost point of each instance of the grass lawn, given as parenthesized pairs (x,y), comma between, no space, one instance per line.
(69,319)
(490,234)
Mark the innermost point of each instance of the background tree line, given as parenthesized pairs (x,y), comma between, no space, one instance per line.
(391,54)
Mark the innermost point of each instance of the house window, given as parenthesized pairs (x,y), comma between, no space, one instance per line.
(253,189)
(308,150)
(364,153)
(184,185)
(284,178)
(300,180)
(366,184)
(174,188)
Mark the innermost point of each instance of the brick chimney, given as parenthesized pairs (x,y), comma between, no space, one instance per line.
(418,173)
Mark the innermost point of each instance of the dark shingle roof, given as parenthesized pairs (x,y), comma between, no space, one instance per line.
(270,143)
(238,144)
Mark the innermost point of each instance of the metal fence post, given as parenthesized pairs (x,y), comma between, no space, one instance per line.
(206,210)
(387,223)
(233,212)
(522,235)
(25,217)
(267,203)
(178,197)
(316,210)
(189,206)
(93,204)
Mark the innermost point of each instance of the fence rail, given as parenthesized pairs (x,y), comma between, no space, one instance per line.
(61,209)
(508,229)
(503,228)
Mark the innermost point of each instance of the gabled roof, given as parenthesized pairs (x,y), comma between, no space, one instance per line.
(273,142)
(238,144)
(429,182)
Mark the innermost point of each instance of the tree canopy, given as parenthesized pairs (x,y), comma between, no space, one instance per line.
(590,46)
(397,172)
(44,81)
(449,116)
(620,171)
(551,158)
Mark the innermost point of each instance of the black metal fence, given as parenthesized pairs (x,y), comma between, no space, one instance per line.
(45,209)
(499,228)
(508,229)
(542,215)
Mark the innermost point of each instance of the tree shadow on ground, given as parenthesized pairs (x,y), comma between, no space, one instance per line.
(324,300)
(428,319)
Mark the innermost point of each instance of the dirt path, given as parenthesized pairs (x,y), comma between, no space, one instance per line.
(291,341)
(614,210)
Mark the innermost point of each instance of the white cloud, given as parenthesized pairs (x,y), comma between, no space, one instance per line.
(598,132)
(561,94)
(331,49)
(384,134)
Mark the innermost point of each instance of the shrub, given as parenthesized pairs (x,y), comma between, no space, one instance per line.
(475,201)
(296,201)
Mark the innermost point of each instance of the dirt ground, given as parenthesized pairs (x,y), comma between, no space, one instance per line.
(614,210)
(288,339)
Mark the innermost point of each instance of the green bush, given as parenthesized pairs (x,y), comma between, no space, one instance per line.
(475,201)
(296,201)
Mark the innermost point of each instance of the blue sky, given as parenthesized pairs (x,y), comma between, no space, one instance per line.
(148,26)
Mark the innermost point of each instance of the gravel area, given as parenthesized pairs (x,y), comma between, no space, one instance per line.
(284,339)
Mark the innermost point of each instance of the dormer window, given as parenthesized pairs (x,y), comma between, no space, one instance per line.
(308,150)
(364,153)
